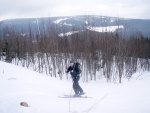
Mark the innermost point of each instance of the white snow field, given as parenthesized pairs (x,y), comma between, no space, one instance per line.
(59,20)
(41,92)
(68,33)
(105,29)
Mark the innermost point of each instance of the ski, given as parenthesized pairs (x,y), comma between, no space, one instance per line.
(71,96)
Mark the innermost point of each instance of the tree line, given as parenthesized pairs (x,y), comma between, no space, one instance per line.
(102,55)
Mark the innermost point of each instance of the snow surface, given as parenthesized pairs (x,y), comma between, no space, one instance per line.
(112,20)
(67,34)
(59,20)
(41,92)
(105,29)
(86,22)
(68,24)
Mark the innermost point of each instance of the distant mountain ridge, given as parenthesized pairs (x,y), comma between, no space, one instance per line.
(74,24)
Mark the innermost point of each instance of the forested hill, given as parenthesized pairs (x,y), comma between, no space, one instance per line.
(73,24)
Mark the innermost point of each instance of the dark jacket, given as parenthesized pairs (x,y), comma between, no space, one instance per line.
(75,70)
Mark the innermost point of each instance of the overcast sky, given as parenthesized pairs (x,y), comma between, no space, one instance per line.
(44,8)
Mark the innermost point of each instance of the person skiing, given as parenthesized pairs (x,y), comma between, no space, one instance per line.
(74,70)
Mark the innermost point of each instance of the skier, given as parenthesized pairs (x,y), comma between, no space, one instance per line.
(74,70)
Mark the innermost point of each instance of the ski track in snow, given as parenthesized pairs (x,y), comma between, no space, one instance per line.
(41,92)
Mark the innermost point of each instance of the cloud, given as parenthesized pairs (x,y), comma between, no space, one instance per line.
(40,8)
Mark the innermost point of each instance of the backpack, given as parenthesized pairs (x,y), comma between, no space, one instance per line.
(78,67)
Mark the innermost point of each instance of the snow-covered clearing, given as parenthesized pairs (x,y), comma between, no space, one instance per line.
(105,29)
(68,33)
(41,92)
(59,20)
(68,24)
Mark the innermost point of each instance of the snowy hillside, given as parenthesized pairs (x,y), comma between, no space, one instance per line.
(41,92)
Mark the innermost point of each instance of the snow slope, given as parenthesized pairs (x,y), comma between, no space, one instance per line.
(41,92)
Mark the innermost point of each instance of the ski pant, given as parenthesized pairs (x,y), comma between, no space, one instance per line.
(76,87)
